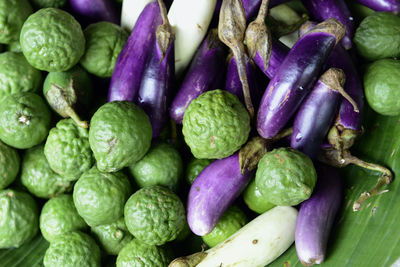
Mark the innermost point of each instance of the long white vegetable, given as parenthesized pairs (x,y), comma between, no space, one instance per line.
(256,244)
(131,10)
(190,20)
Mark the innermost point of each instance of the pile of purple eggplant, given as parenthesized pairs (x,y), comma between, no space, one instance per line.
(313,101)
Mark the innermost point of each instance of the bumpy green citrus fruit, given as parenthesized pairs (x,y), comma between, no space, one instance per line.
(285,177)
(378,36)
(19,218)
(162,165)
(60,216)
(15,46)
(24,120)
(52,40)
(100,197)
(120,134)
(382,88)
(49,3)
(72,249)
(195,167)
(68,151)
(137,253)
(104,42)
(231,221)
(113,236)
(69,93)
(16,75)
(154,215)
(13,13)
(9,165)
(215,125)
(255,200)
(39,178)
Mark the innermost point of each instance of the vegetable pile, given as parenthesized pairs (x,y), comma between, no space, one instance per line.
(192,133)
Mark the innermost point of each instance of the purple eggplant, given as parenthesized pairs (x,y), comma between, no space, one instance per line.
(325,9)
(315,115)
(131,62)
(251,7)
(203,75)
(316,217)
(96,10)
(214,189)
(278,53)
(157,82)
(234,85)
(382,5)
(295,77)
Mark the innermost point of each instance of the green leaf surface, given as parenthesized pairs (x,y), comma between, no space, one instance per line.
(370,237)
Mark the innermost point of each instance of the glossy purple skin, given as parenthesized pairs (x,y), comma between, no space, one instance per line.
(325,9)
(131,62)
(382,5)
(316,216)
(204,74)
(314,118)
(156,87)
(213,191)
(347,117)
(292,82)
(96,10)
(234,85)
(251,7)
(278,53)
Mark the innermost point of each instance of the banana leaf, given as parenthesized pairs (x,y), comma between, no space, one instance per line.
(370,237)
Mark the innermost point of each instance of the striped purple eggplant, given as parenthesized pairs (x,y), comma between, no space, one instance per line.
(213,191)
(316,113)
(296,76)
(324,9)
(157,82)
(234,85)
(131,62)
(204,74)
(382,5)
(96,10)
(317,215)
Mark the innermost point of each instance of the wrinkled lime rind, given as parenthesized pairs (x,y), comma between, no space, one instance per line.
(52,40)
(215,125)
(231,221)
(49,3)
(100,197)
(68,151)
(255,200)
(24,135)
(82,83)
(104,42)
(16,75)
(39,178)
(13,13)
(285,177)
(73,249)
(382,88)
(60,216)
(195,167)
(139,254)
(378,36)
(112,237)
(19,220)
(154,215)
(14,46)
(162,165)
(9,165)
(120,134)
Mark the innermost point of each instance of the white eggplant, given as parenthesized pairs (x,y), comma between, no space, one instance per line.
(189,20)
(130,12)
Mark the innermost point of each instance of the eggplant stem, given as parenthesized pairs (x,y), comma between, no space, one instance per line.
(189,261)
(262,12)
(72,114)
(238,51)
(282,134)
(348,98)
(164,13)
